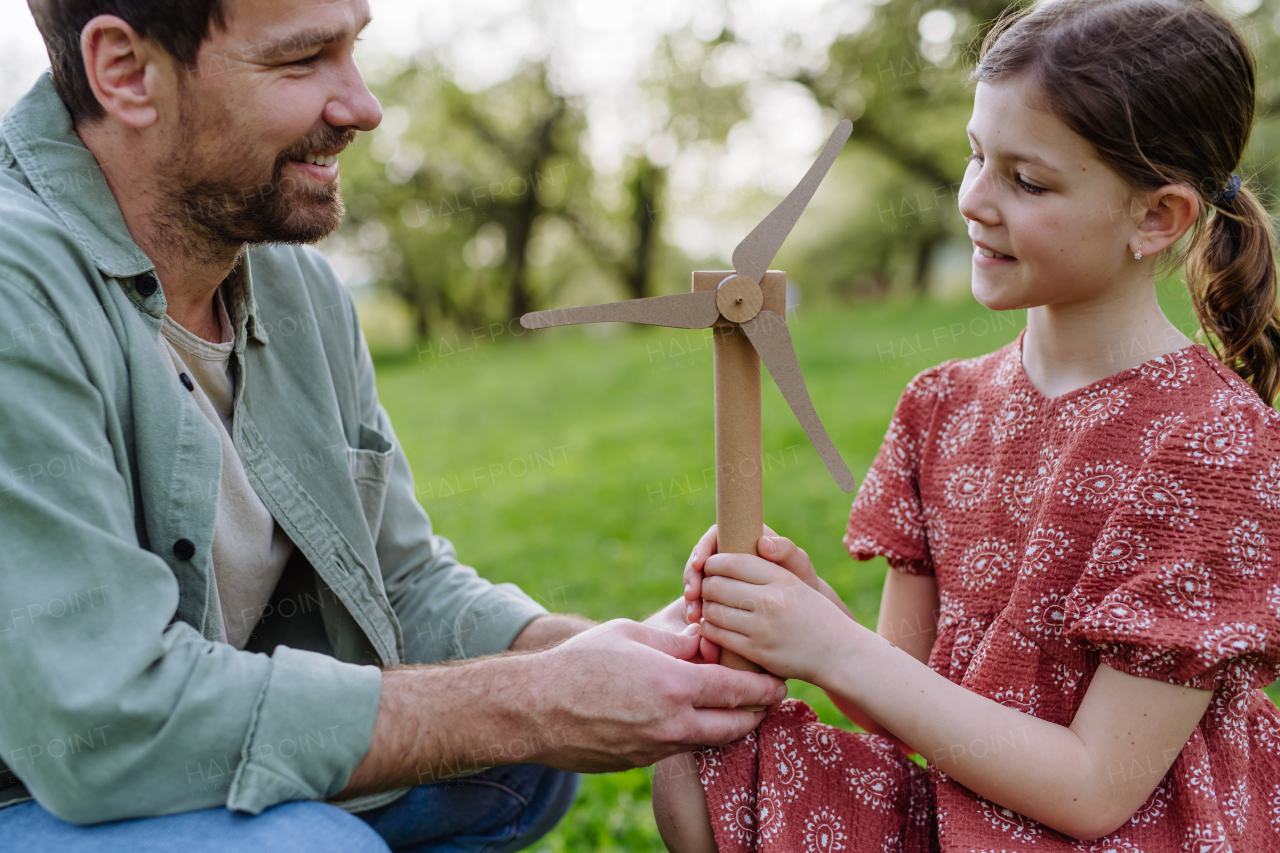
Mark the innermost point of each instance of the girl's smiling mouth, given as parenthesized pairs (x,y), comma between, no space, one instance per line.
(987,256)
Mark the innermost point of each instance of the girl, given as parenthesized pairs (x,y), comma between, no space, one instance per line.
(1083,603)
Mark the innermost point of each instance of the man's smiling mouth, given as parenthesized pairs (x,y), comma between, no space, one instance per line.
(318,159)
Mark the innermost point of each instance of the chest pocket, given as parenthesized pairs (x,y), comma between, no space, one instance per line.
(370,465)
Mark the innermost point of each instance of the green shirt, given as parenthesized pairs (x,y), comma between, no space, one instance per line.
(117,699)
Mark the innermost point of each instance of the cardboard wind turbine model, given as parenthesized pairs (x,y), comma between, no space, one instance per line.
(747,307)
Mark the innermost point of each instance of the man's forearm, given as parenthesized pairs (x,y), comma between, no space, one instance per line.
(550,629)
(438,721)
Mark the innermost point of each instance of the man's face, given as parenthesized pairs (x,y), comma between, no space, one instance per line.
(270,94)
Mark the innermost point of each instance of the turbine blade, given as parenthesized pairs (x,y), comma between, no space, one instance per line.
(754,254)
(679,310)
(768,334)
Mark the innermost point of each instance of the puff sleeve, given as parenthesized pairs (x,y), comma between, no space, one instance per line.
(1182,584)
(887,518)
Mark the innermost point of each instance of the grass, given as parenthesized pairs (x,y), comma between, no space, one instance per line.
(577,464)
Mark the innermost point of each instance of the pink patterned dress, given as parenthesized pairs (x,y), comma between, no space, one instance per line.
(1127,522)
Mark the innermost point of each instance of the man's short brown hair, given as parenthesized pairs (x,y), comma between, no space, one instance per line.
(179,26)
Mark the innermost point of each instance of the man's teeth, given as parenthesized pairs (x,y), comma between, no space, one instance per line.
(990,254)
(320,161)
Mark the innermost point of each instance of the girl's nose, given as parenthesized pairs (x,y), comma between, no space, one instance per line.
(974,200)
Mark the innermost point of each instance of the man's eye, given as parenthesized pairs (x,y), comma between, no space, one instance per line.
(305,60)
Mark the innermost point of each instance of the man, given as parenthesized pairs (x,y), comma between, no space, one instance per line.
(223,604)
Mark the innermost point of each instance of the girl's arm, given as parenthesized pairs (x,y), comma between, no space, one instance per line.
(1085,780)
(909,613)
(908,619)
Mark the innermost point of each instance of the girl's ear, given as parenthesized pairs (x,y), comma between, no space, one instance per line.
(1170,211)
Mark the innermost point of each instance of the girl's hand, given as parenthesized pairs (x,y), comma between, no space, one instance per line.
(769,615)
(706,546)
(782,551)
(775,548)
(782,554)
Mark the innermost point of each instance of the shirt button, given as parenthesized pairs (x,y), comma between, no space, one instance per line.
(146,284)
(184,549)
(186,382)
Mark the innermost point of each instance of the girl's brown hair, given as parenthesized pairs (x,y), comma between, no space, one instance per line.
(1164,91)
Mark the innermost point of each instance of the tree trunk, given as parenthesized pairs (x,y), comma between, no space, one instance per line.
(924,254)
(646,186)
(423,322)
(527,211)
(518,235)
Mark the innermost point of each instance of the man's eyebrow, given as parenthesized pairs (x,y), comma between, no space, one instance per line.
(1021,158)
(305,40)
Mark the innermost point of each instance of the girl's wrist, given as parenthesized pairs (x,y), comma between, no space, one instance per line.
(827,590)
(840,672)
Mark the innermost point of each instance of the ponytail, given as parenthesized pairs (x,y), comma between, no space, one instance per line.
(1165,92)
(1231,275)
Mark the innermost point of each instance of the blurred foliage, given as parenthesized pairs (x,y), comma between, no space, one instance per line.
(474,207)
(477,207)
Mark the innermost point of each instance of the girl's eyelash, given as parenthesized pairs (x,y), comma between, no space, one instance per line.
(1030,188)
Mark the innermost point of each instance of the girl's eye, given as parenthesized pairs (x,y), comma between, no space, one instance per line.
(1030,188)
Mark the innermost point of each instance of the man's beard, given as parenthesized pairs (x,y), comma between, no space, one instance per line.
(218,215)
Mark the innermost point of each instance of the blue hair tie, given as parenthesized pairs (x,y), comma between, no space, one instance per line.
(1229,191)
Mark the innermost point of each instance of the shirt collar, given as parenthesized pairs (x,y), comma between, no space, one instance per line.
(65,174)
(238,288)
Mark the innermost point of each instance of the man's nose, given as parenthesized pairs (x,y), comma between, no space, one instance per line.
(353,105)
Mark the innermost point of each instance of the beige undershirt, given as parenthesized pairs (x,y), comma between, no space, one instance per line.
(249,547)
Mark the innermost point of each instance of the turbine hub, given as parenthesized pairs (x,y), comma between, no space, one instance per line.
(739,299)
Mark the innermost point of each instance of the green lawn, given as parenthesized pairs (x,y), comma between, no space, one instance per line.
(575,463)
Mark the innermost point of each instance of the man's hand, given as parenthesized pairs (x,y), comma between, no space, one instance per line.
(674,619)
(626,695)
(617,696)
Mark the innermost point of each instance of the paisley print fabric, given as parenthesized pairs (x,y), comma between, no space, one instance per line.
(1129,522)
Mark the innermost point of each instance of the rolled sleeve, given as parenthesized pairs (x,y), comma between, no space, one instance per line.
(297,748)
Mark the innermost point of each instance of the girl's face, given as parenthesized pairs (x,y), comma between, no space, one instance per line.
(1035,191)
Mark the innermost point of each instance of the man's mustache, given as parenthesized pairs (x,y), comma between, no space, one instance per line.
(325,139)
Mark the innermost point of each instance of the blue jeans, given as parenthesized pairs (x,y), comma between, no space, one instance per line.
(500,810)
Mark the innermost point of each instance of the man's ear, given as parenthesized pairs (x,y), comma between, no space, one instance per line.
(1170,211)
(124,70)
